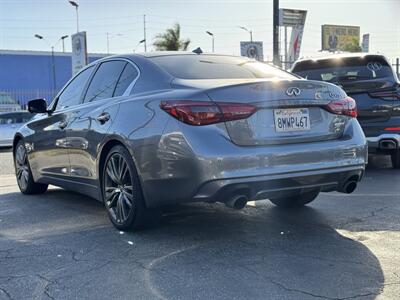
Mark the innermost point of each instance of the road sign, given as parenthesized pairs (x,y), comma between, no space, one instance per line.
(252,50)
(365,43)
(292,17)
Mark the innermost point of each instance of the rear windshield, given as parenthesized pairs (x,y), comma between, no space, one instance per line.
(216,67)
(344,69)
(14,118)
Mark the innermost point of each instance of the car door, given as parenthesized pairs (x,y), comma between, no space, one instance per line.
(49,155)
(93,118)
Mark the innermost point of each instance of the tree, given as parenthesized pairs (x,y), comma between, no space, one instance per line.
(171,40)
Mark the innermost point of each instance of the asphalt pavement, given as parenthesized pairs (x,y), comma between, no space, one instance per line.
(61,245)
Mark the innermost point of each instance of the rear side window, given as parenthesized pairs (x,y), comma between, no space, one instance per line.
(73,92)
(128,75)
(104,80)
(216,67)
(344,69)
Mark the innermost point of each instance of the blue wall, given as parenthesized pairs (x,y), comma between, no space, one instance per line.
(23,74)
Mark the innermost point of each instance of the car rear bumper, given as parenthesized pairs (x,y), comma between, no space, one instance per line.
(279,185)
(385,142)
(207,166)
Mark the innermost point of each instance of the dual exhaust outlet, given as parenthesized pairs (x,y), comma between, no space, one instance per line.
(239,201)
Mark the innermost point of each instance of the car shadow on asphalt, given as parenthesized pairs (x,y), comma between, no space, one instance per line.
(198,251)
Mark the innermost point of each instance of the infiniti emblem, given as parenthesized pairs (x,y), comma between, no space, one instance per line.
(293,91)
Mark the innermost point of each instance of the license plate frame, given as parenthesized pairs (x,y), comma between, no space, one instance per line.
(292,120)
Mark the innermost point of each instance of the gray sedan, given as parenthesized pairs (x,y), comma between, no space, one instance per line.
(139,132)
(9,124)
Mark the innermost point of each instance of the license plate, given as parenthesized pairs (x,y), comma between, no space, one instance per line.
(294,119)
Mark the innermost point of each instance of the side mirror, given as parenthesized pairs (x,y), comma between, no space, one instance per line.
(37,106)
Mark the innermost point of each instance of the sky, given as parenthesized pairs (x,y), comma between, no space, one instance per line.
(20,20)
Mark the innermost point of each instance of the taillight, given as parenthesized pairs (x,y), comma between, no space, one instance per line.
(346,106)
(392,128)
(205,113)
(387,95)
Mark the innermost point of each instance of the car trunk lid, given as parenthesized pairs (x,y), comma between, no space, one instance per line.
(295,104)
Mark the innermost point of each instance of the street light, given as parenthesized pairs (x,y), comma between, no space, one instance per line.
(140,42)
(62,39)
(249,31)
(74,4)
(212,35)
(108,37)
(53,64)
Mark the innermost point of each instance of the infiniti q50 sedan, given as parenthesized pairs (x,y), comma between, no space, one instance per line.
(138,132)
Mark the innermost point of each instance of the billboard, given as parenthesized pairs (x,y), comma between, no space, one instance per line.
(79,51)
(340,37)
(252,50)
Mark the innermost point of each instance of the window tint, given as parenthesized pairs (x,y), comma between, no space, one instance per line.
(217,67)
(104,81)
(73,92)
(341,70)
(128,75)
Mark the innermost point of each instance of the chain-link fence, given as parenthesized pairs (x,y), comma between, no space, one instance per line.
(22,96)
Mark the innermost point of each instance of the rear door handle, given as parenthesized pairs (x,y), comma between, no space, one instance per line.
(62,124)
(103,117)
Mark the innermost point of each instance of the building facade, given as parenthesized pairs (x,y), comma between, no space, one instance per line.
(26,75)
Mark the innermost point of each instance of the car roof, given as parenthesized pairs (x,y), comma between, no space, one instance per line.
(339,55)
(163,53)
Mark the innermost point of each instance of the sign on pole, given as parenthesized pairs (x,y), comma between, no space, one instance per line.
(252,50)
(339,37)
(295,19)
(295,43)
(79,51)
(365,43)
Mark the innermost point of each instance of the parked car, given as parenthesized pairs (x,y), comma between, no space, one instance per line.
(8,104)
(139,132)
(9,124)
(371,81)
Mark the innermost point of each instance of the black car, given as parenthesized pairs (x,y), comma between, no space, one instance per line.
(371,81)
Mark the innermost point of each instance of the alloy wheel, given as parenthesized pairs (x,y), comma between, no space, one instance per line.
(21,166)
(118,190)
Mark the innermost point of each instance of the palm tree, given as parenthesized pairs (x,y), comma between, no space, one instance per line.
(171,40)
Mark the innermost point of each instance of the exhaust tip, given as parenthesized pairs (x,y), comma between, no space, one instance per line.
(237,202)
(350,186)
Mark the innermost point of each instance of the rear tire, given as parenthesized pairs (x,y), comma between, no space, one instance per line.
(296,201)
(122,193)
(396,159)
(23,172)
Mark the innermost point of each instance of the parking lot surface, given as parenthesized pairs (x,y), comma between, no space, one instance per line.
(61,245)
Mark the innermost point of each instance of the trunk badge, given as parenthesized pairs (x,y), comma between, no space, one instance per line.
(293,91)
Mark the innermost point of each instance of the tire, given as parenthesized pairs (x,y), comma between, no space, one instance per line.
(122,193)
(396,159)
(296,201)
(23,172)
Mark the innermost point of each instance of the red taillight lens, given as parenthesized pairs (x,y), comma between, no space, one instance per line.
(392,128)
(205,113)
(346,106)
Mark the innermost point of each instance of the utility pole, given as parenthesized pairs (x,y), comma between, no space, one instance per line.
(54,69)
(144,33)
(275,41)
